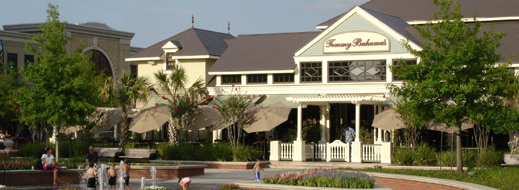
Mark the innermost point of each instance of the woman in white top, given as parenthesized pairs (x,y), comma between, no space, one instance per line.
(49,164)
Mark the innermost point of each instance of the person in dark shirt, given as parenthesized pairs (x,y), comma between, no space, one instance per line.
(91,156)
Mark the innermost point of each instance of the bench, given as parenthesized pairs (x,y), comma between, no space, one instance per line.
(109,153)
(139,154)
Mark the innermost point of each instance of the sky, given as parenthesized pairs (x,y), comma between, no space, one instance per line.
(156,20)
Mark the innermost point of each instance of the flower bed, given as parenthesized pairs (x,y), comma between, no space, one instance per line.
(324,178)
(16,165)
(228,187)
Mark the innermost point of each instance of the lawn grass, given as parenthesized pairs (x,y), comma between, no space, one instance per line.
(506,178)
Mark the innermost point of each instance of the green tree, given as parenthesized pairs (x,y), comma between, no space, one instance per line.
(183,101)
(235,112)
(125,94)
(60,90)
(9,84)
(457,76)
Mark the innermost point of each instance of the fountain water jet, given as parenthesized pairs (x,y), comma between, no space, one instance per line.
(120,181)
(142,183)
(101,176)
(83,179)
(153,173)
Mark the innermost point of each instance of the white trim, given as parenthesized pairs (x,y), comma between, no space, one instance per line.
(196,57)
(481,19)
(350,98)
(364,14)
(323,27)
(142,59)
(355,57)
(250,72)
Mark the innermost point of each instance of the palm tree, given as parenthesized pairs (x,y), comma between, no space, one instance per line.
(183,102)
(128,91)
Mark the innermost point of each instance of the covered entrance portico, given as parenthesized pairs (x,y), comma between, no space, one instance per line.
(356,151)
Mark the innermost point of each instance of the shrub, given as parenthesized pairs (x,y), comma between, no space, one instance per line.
(490,157)
(216,152)
(424,155)
(446,158)
(470,157)
(33,150)
(403,156)
(324,178)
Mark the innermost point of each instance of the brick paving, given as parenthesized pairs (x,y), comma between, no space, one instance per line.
(402,184)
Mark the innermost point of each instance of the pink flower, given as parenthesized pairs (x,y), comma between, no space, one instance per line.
(196,102)
(207,97)
(232,85)
(253,96)
(236,89)
(513,101)
(91,90)
(163,97)
(201,90)
(176,110)
(260,95)
(104,101)
(213,106)
(156,104)
(17,110)
(384,96)
(205,102)
(214,103)
(20,105)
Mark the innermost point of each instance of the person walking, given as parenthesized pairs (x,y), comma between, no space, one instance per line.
(256,171)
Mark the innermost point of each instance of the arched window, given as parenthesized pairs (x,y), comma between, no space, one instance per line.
(101,62)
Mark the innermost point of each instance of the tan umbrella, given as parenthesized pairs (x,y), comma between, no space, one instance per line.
(442,127)
(207,116)
(71,129)
(105,119)
(388,119)
(150,119)
(267,116)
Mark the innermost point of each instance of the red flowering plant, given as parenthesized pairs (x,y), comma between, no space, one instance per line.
(236,111)
(323,178)
(15,165)
(183,101)
(69,188)
(228,187)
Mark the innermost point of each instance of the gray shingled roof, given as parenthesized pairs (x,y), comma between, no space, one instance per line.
(394,23)
(410,10)
(262,52)
(193,41)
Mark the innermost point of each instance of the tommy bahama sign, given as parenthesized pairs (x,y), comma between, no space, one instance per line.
(356,42)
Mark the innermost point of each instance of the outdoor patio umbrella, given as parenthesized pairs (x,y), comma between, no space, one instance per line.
(388,120)
(150,119)
(71,129)
(443,128)
(267,116)
(106,119)
(207,116)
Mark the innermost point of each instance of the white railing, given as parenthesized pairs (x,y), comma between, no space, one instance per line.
(320,151)
(309,153)
(371,152)
(287,151)
(337,151)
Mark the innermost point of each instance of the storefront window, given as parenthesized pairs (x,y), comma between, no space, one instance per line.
(231,79)
(257,79)
(133,71)
(170,62)
(395,63)
(311,72)
(12,61)
(357,71)
(284,78)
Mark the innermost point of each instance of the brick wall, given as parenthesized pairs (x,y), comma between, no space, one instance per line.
(247,166)
(166,173)
(38,177)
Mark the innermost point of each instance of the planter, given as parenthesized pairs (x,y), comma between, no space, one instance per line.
(8,143)
(512,159)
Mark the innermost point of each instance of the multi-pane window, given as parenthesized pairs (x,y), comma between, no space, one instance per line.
(396,67)
(12,60)
(170,62)
(357,71)
(1,53)
(257,79)
(311,72)
(231,79)
(133,71)
(27,60)
(284,78)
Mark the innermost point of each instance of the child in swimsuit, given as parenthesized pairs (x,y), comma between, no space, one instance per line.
(91,184)
(111,176)
(126,174)
(184,183)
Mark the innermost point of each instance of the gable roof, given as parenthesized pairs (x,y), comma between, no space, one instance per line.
(393,26)
(423,9)
(193,41)
(262,52)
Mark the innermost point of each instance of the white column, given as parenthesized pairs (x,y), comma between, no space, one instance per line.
(297,73)
(357,122)
(299,122)
(374,128)
(356,147)
(322,122)
(270,79)
(385,153)
(379,139)
(244,80)
(274,150)
(327,122)
(299,144)
(218,80)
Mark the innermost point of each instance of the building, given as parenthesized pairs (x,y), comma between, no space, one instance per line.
(108,47)
(195,50)
(340,73)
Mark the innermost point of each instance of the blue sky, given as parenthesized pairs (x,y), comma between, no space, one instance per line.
(155,20)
